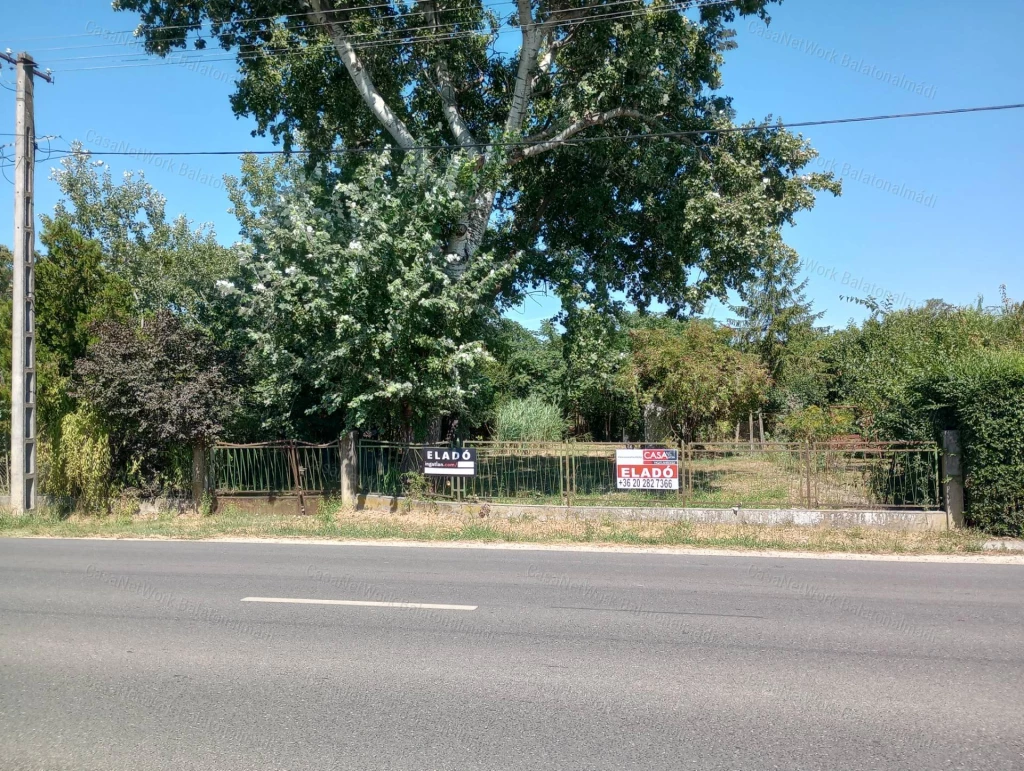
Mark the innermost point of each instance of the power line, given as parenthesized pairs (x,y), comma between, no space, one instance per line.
(687,5)
(312,25)
(159,28)
(574,140)
(436,33)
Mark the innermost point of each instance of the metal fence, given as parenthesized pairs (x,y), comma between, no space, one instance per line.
(770,475)
(274,468)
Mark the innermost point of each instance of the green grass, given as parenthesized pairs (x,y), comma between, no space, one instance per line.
(333,522)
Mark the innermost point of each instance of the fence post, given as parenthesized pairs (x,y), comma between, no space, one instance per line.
(807,468)
(348,460)
(562,481)
(682,472)
(293,461)
(952,479)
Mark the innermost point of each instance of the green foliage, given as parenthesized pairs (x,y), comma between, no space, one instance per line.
(160,264)
(677,220)
(528,420)
(81,468)
(877,367)
(157,390)
(350,315)
(74,292)
(693,373)
(776,322)
(984,397)
(6,271)
(814,424)
(525,363)
(600,398)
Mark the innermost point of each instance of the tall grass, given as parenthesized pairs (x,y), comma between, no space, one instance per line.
(529,420)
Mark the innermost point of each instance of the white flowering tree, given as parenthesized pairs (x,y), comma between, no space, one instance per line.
(350,315)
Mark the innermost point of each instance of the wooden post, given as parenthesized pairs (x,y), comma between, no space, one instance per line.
(750,423)
(760,427)
(737,439)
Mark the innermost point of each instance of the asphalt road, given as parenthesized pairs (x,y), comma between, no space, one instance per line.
(143,655)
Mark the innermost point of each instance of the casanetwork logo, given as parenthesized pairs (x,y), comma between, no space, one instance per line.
(190,60)
(172,165)
(856,283)
(899,189)
(845,60)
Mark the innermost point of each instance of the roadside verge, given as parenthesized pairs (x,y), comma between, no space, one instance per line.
(334,523)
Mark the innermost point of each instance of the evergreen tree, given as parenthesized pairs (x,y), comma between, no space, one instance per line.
(776,322)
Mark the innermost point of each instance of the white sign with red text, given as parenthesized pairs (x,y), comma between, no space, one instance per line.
(647,469)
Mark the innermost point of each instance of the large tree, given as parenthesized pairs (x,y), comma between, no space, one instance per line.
(571,187)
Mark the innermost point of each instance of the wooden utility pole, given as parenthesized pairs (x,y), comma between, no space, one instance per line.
(23,317)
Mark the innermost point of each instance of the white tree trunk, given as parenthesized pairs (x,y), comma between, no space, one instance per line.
(361,78)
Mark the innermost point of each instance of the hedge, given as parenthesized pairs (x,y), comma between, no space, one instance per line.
(985,398)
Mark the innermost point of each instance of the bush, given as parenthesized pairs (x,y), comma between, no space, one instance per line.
(528,420)
(81,463)
(984,399)
(814,424)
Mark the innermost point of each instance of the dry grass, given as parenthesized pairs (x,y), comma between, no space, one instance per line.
(334,522)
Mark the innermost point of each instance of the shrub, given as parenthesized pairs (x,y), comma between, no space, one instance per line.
(158,389)
(814,424)
(528,420)
(81,464)
(984,399)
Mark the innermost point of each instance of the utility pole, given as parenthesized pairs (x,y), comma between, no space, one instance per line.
(23,316)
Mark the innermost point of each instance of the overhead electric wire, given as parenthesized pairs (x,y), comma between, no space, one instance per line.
(396,39)
(577,139)
(435,33)
(688,6)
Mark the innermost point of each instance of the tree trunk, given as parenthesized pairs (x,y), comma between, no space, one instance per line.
(199,480)
(469,234)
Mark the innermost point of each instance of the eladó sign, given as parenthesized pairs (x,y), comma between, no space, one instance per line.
(449,461)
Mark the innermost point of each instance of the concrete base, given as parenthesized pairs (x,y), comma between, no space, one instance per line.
(290,504)
(1004,544)
(884,519)
(271,504)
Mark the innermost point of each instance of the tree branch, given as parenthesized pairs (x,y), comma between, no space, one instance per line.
(541,145)
(445,89)
(361,78)
(532,36)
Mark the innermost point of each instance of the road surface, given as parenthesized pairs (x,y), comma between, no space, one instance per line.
(122,655)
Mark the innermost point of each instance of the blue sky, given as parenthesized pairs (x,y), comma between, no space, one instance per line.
(817,60)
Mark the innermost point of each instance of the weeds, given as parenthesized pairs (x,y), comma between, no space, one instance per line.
(334,521)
